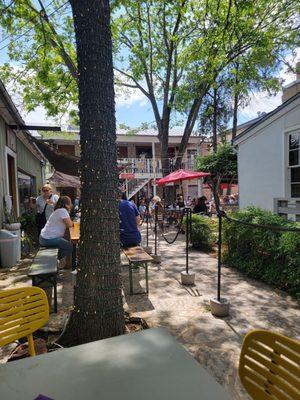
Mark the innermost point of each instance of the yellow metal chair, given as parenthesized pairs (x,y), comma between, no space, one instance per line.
(270,366)
(22,311)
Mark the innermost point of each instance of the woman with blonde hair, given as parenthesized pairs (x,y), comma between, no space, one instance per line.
(45,204)
(52,235)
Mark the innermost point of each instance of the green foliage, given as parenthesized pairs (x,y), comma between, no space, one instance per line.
(60,135)
(223,162)
(170,50)
(270,256)
(10,216)
(29,228)
(202,234)
(27,245)
(42,54)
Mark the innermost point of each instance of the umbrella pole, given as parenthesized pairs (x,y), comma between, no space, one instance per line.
(147,224)
(155,231)
(219,255)
(187,231)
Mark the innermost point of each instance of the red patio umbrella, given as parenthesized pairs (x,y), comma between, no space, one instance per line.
(181,175)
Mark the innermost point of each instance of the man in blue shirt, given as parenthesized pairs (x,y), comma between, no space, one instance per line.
(129,221)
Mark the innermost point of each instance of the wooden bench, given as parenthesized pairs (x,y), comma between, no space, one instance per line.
(44,270)
(137,257)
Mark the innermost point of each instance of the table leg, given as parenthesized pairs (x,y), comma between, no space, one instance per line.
(130,279)
(146,276)
(74,257)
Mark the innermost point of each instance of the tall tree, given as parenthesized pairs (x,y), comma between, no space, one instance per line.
(221,164)
(98,308)
(172,51)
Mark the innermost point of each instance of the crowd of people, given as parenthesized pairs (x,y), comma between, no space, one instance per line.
(54,216)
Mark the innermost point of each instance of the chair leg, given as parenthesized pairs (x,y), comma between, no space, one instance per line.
(31,348)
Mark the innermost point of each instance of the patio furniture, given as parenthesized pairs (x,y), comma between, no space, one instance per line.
(43,270)
(270,366)
(146,365)
(22,312)
(137,257)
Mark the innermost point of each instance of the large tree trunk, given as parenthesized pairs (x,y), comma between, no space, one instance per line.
(215,121)
(98,309)
(190,123)
(235,114)
(235,102)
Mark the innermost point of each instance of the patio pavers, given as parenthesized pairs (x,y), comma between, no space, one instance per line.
(184,311)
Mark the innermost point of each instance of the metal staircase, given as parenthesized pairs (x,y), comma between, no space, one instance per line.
(136,185)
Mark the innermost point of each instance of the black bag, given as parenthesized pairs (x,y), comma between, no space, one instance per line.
(41,218)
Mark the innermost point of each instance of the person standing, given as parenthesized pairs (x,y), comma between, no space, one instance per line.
(142,207)
(45,204)
(130,220)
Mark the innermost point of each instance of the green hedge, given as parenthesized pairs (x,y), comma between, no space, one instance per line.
(202,234)
(270,256)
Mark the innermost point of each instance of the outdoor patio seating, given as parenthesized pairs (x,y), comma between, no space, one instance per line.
(270,366)
(43,270)
(137,257)
(22,312)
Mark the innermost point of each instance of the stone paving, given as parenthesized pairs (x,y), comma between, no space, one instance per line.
(184,311)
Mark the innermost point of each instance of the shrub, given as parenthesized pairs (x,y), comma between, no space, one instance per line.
(265,254)
(202,234)
(29,226)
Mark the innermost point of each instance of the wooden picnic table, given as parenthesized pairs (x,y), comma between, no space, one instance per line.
(146,365)
(137,257)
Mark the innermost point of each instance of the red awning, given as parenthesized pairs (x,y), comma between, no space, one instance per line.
(181,175)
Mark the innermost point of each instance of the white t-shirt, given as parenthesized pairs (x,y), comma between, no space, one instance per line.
(55,226)
(41,202)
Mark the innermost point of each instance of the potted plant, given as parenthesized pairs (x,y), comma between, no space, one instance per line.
(11,222)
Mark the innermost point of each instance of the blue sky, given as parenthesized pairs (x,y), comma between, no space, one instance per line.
(133,108)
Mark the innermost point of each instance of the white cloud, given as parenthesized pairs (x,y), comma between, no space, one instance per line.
(129,97)
(261,101)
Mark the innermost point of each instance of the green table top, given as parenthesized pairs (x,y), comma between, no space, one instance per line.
(149,365)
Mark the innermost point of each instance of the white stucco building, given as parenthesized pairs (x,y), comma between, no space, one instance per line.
(269,158)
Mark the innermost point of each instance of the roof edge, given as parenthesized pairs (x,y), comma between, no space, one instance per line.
(265,117)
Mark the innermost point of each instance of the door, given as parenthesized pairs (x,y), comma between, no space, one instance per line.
(12,182)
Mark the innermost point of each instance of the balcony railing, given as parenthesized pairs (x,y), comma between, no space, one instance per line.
(152,166)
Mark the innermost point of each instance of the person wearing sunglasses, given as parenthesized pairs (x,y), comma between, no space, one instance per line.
(45,204)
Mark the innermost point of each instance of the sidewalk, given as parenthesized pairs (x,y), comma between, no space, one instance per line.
(184,311)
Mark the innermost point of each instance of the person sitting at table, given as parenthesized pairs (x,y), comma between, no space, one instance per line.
(52,235)
(201,206)
(130,219)
(180,202)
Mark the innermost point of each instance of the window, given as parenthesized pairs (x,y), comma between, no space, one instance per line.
(26,190)
(294,163)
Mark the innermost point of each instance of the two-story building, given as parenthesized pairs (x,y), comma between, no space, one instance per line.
(269,157)
(140,155)
(21,163)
